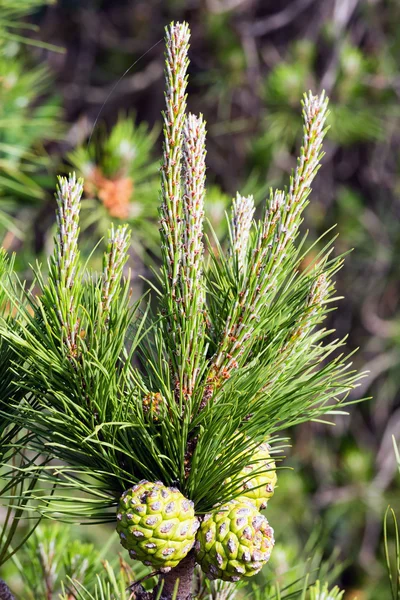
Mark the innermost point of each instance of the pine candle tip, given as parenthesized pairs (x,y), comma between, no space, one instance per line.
(71,181)
(177,33)
(195,119)
(242,217)
(114,260)
(178,26)
(171,217)
(68,197)
(315,104)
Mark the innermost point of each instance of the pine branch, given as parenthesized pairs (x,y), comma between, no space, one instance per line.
(181,217)
(64,285)
(312,314)
(320,591)
(314,117)
(273,248)
(193,208)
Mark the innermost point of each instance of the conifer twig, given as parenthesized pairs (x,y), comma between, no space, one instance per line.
(133,401)
(191,278)
(171,211)
(66,257)
(315,301)
(114,260)
(193,206)
(176,63)
(65,260)
(276,234)
(181,220)
(313,314)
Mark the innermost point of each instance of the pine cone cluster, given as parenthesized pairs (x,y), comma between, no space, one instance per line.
(158,525)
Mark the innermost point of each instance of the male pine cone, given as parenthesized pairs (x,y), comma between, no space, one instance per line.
(156,524)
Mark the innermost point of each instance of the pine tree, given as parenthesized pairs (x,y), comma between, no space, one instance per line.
(152,414)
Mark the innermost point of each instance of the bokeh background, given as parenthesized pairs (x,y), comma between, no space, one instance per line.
(81,87)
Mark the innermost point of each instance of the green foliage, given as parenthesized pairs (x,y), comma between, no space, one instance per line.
(321,592)
(54,564)
(11,391)
(332,472)
(356,113)
(120,181)
(15,486)
(52,555)
(12,17)
(22,128)
(11,12)
(25,126)
(7,386)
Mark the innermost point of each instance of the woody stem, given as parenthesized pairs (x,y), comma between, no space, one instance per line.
(179,580)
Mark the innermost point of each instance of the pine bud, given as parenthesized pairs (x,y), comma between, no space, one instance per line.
(152,405)
(68,196)
(193,205)
(114,260)
(242,217)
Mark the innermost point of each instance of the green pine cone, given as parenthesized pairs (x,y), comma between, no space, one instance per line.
(156,524)
(260,487)
(234,542)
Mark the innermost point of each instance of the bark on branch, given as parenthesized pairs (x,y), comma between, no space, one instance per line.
(184,573)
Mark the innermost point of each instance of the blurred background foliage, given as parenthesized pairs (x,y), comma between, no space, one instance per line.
(251,61)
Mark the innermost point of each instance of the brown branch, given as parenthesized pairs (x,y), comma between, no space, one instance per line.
(280,19)
(139,593)
(184,573)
